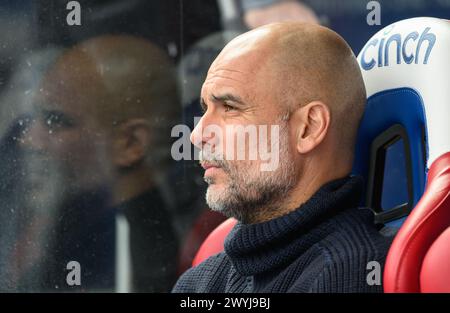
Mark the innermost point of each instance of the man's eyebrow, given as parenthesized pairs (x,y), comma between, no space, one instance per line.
(227,97)
(45,111)
(221,98)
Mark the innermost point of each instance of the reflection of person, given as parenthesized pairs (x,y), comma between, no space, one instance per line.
(27,194)
(104,113)
(261,12)
(299,226)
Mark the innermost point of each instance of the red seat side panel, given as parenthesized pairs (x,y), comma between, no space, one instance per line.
(435,274)
(214,242)
(426,222)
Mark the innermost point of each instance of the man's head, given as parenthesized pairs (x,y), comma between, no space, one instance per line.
(303,78)
(104,110)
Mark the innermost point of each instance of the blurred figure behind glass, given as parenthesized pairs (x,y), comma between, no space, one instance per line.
(29,189)
(103,116)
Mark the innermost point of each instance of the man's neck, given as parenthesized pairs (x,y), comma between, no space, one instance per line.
(132,184)
(296,197)
(307,186)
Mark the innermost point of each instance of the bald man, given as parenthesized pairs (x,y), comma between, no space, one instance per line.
(299,226)
(103,114)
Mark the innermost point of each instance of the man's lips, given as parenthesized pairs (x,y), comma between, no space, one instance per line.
(207,165)
(210,168)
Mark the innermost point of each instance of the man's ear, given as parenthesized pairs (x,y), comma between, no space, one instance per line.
(311,124)
(131,142)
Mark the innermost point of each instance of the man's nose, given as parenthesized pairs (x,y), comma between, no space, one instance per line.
(202,133)
(35,136)
(196,135)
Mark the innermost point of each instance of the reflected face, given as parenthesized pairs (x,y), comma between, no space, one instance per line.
(237,92)
(65,133)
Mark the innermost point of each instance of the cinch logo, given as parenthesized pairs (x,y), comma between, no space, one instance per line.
(403,46)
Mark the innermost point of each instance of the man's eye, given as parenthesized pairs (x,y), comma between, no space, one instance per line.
(228,107)
(54,120)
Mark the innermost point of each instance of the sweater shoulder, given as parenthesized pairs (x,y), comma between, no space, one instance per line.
(348,251)
(208,276)
(341,259)
(355,235)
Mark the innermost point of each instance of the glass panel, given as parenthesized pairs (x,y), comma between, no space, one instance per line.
(395,181)
(91,195)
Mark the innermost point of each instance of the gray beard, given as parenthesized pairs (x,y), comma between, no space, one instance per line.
(248,196)
(246,209)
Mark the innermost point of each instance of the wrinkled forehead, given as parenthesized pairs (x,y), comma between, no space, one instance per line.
(239,67)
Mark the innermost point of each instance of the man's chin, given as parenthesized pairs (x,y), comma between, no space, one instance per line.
(215,195)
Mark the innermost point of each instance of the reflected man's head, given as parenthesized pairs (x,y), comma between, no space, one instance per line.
(303,78)
(103,109)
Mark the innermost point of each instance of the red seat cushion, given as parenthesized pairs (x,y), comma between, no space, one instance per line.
(424,225)
(214,242)
(435,274)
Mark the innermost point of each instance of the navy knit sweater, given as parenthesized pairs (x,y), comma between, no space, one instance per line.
(323,246)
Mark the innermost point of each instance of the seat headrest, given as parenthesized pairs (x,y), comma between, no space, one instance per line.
(414,54)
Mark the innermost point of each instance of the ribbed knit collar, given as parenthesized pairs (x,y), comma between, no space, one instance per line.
(257,248)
